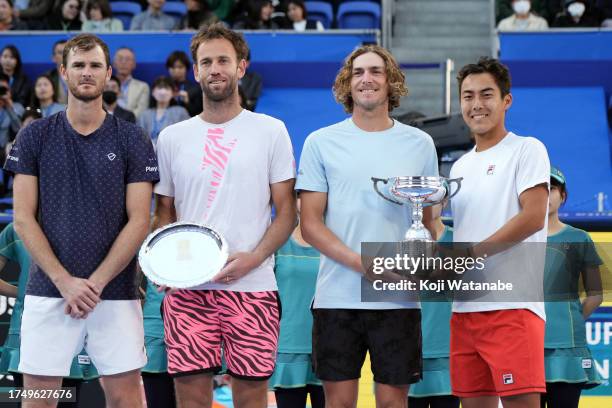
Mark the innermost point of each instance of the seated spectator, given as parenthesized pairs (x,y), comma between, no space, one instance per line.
(198,14)
(65,17)
(10,122)
(35,14)
(606,13)
(100,18)
(547,9)
(112,89)
(251,84)
(10,62)
(7,21)
(134,94)
(259,17)
(577,13)
(43,97)
(153,18)
(163,111)
(61,89)
(185,93)
(522,19)
(296,11)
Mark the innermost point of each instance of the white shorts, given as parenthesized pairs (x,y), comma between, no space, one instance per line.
(113,336)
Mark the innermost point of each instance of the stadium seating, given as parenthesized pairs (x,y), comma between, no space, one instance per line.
(358,14)
(175,9)
(321,11)
(125,11)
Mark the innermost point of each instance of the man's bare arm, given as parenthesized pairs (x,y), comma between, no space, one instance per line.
(241,263)
(165,212)
(80,294)
(530,219)
(317,234)
(138,207)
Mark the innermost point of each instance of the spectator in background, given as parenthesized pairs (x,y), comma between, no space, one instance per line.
(10,62)
(153,18)
(186,93)
(251,84)
(198,14)
(65,17)
(61,89)
(10,122)
(43,97)
(35,14)
(134,94)
(546,9)
(163,111)
(577,13)
(522,19)
(29,116)
(112,89)
(100,17)
(605,7)
(7,21)
(297,13)
(259,17)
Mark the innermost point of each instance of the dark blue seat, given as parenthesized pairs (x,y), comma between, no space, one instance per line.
(358,14)
(175,9)
(320,11)
(125,11)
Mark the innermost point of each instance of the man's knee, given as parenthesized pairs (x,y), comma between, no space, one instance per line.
(194,391)
(123,390)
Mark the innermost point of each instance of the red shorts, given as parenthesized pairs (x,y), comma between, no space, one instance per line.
(498,352)
(198,323)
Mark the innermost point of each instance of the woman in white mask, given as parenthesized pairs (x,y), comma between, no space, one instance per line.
(522,19)
(577,13)
(163,110)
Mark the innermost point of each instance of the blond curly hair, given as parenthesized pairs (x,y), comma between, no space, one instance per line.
(395,78)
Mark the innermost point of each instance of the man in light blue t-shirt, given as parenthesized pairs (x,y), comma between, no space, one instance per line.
(340,210)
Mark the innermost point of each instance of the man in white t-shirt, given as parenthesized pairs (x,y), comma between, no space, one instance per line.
(497,348)
(225,167)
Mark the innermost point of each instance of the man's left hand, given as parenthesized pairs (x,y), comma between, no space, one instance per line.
(238,265)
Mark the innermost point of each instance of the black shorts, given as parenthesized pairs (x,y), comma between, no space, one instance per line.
(341,338)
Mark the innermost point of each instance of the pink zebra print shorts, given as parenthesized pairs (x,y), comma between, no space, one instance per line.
(199,323)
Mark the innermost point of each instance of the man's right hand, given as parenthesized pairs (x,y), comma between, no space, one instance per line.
(81,296)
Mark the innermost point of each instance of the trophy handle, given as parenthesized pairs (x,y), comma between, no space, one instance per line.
(376,181)
(456,181)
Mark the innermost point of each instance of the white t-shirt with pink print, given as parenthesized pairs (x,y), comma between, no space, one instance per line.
(220,175)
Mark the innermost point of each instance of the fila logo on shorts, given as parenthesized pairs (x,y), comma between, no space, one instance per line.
(490,169)
(507,379)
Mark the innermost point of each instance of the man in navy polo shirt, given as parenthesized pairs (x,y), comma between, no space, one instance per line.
(82,196)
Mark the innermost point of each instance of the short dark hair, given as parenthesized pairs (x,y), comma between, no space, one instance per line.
(217,31)
(487,65)
(561,186)
(179,56)
(58,42)
(85,42)
(102,5)
(114,78)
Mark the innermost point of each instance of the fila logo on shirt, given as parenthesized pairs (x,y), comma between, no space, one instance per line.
(490,169)
(507,379)
(111,156)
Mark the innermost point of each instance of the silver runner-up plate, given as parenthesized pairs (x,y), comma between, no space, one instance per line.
(183,255)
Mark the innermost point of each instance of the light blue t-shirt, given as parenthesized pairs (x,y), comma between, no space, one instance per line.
(341,160)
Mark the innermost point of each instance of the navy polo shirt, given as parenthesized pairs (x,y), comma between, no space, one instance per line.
(82,182)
